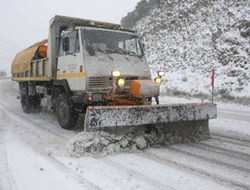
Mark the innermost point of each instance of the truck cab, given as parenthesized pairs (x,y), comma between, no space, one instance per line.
(91,58)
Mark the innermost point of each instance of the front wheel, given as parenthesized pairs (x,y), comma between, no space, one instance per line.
(65,112)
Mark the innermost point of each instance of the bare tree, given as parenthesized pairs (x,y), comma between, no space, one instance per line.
(2,74)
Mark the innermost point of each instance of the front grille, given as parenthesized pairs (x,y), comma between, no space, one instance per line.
(105,83)
(98,83)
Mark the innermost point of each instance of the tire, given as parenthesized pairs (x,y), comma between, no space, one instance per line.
(25,101)
(65,112)
(30,104)
(35,104)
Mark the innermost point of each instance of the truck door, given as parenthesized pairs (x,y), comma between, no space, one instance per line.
(70,62)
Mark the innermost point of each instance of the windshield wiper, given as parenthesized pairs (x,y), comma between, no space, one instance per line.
(117,51)
(91,50)
(108,55)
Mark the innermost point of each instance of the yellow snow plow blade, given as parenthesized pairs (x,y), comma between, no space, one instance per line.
(123,116)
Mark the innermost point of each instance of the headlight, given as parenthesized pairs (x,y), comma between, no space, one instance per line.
(116,73)
(89,97)
(158,80)
(161,73)
(121,82)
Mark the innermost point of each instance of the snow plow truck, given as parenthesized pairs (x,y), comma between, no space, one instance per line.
(98,70)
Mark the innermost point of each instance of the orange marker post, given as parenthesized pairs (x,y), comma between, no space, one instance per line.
(212,82)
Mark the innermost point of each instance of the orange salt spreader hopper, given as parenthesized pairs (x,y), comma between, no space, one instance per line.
(42,49)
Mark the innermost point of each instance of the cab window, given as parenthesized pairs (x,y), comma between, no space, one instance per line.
(74,46)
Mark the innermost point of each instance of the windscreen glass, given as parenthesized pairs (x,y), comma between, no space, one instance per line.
(111,42)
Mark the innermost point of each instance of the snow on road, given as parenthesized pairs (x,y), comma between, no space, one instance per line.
(33,155)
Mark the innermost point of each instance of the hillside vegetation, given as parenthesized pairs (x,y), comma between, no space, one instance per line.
(187,38)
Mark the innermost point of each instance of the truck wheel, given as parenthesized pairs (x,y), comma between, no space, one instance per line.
(30,104)
(25,102)
(35,104)
(65,112)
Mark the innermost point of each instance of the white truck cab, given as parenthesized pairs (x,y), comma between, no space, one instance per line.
(88,56)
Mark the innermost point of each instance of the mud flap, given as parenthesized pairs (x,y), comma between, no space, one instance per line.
(122,116)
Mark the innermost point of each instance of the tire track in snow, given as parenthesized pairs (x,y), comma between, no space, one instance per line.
(208,159)
(137,175)
(73,174)
(6,180)
(221,151)
(197,170)
(169,173)
(216,155)
(224,138)
(240,154)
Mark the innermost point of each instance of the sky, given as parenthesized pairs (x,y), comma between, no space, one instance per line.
(25,22)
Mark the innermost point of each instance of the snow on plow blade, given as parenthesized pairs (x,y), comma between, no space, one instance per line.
(121,116)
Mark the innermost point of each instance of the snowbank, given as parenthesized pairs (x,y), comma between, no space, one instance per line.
(101,143)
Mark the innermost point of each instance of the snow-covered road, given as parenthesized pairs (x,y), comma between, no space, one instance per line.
(33,155)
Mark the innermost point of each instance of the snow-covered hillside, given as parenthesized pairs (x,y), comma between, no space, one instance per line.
(189,38)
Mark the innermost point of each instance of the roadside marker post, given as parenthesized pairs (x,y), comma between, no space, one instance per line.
(212,82)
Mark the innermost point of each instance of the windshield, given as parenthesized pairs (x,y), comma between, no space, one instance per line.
(111,42)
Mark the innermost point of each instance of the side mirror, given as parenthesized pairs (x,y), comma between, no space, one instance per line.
(66,44)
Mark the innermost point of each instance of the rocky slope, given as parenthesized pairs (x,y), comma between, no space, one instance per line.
(187,38)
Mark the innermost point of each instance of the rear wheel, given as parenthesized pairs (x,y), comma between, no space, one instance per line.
(30,104)
(65,112)
(25,101)
(35,103)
